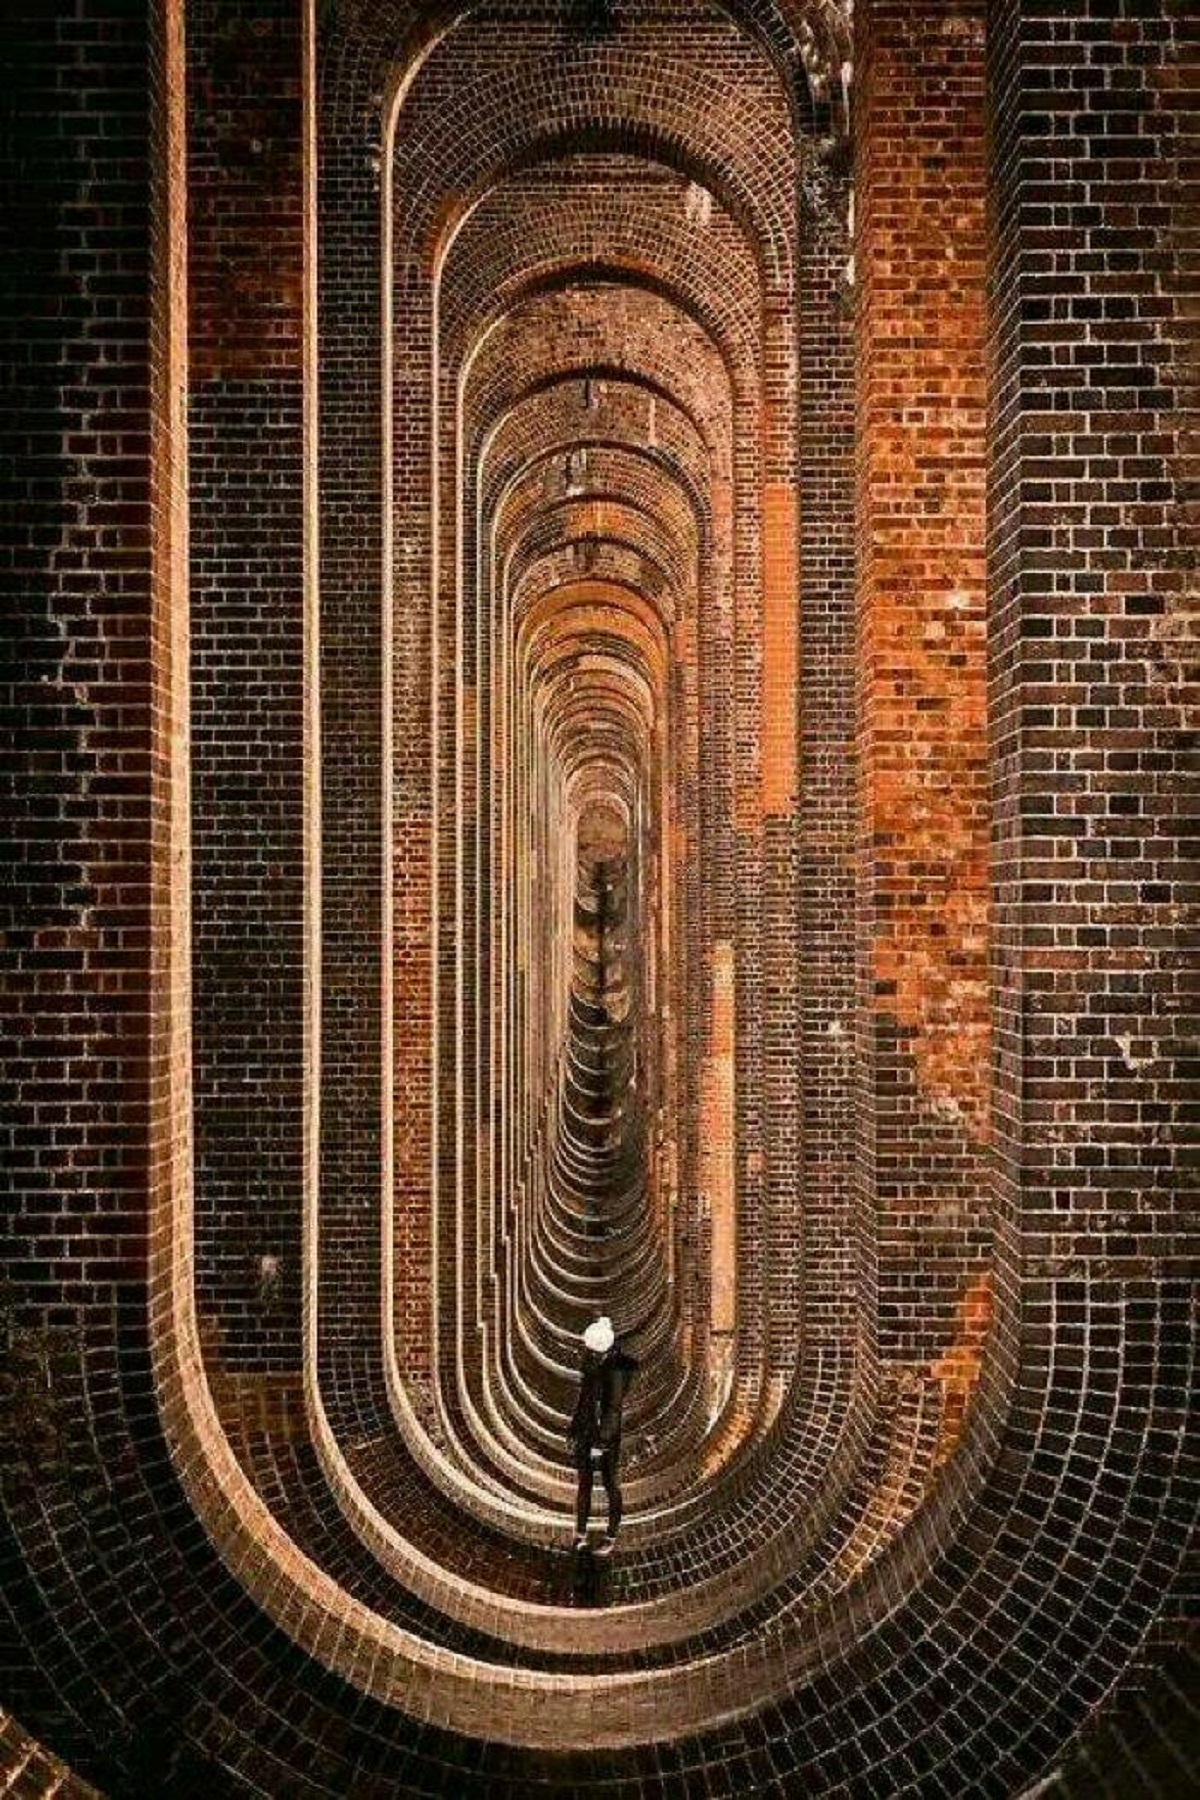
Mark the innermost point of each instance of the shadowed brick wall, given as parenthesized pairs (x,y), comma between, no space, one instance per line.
(245,443)
(1092,633)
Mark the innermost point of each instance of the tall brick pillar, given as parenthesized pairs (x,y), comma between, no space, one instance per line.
(923,845)
(826,789)
(81,712)
(245,412)
(1093,598)
(919,185)
(91,351)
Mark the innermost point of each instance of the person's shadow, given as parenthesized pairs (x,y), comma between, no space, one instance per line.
(588,1579)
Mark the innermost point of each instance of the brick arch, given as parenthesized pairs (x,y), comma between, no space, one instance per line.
(558,642)
(650,472)
(578,408)
(761,211)
(499,359)
(949,1636)
(618,510)
(566,205)
(808,42)
(701,187)
(551,383)
(574,274)
(550,515)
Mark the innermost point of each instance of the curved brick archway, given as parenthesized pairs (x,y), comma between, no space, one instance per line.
(600,730)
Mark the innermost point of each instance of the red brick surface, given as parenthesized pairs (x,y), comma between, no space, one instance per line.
(583,735)
(924,817)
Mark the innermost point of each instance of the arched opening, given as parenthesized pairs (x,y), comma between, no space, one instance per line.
(560,783)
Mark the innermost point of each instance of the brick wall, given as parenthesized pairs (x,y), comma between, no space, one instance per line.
(957,1572)
(77,676)
(924,823)
(1093,362)
(245,267)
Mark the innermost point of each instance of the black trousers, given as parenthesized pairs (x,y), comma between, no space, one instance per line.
(608,1463)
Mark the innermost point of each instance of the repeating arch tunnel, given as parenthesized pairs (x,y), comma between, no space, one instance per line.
(596,868)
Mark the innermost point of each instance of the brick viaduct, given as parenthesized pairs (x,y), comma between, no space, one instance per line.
(596,718)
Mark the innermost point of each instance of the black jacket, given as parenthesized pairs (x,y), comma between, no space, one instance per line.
(603,1381)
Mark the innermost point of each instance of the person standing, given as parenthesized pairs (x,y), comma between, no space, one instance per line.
(595,1429)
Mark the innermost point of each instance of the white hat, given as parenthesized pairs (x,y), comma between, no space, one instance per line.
(600,1336)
